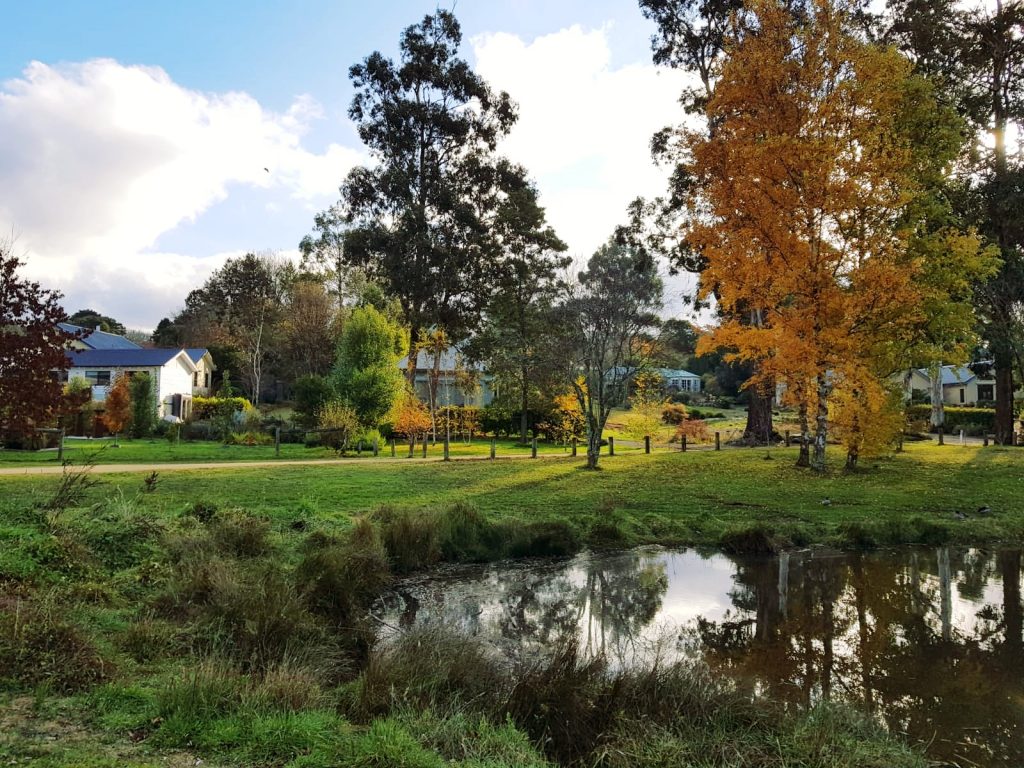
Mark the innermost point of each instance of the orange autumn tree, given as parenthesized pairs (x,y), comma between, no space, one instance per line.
(410,417)
(117,406)
(796,200)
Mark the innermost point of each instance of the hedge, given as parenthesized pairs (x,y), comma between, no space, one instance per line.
(206,407)
(981,419)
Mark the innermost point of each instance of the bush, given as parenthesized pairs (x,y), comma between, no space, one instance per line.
(971,420)
(249,438)
(674,414)
(695,431)
(207,407)
(341,423)
(38,646)
(144,405)
(241,535)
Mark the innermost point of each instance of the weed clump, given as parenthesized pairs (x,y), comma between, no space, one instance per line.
(749,541)
(40,647)
(241,535)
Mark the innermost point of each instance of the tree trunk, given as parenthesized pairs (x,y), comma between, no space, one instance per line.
(852,454)
(820,426)
(804,459)
(524,423)
(759,415)
(410,365)
(938,417)
(593,443)
(1004,398)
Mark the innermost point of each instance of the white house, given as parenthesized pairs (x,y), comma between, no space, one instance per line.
(202,378)
(679,380)
(172,371)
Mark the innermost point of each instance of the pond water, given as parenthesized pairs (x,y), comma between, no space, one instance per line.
(930,641)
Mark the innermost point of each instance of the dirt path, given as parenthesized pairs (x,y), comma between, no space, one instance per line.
(183,466)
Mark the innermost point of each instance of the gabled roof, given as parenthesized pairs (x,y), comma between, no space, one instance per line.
(952,374)
(451,359)
(676,373)
(196,354)
(99,339)
(126,358)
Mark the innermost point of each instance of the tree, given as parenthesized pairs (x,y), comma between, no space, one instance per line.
(798,195)
(645,405)
(605,319)
(310,395)
(309,330)
(31,351)
(976,56)
(692,36)
(117,408)
(416,221)
(518,318)
(340,424)
(366,374)
(93,320)
(241,305)
(168,333)
(410,417)
(144,405)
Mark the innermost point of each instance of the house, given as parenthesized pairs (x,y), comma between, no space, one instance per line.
(172,371)
(96,339)
(960,384)
(451,382)
(678,380)
(202,379)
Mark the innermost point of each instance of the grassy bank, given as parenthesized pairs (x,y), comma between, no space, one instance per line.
(158,628)
(692,498)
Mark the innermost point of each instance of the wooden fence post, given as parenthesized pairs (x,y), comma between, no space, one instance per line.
(494,446)
(682,443)
(533,448)
(424,445)
(277,441)
(60,445)
(611,446)
(447,455)
(394,449)
(376,446)
(787,438)
(984,440)
(647,443)
(718,441)
(574,446)
(942,436)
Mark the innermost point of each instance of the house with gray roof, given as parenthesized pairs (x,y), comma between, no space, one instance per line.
(961,385)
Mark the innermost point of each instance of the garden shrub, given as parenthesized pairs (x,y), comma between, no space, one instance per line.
(204,408)
(341,424)
(674,413)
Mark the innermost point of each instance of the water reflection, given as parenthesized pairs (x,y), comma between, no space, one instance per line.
(929,641)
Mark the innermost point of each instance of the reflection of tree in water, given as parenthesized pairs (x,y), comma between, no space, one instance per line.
(603,602)
(879,630)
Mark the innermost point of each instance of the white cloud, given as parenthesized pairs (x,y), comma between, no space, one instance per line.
(100,159)
(585,126)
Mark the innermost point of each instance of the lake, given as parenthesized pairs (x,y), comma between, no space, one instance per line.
(930,641)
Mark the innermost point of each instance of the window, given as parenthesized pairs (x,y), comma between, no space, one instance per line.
(207,379)
(986,392)
(98,378)
(195,379)
(961,394)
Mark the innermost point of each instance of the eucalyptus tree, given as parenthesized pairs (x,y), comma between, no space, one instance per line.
(415,220)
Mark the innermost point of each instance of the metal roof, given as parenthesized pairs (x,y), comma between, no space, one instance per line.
(99,339)
(124,358)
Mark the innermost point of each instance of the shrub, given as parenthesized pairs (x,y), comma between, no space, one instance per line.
(543,538)
(207,407)
(40,647)
(249,438)
(969,419)
(674,414)
(144,405)
(410,538)
(695,431)
(341,424)
(240,534)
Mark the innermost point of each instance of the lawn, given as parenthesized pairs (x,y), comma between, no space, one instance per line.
(151,451)
(694,497)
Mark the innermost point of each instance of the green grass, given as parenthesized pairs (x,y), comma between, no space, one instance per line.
(695,497)
(221,615)
(152,451)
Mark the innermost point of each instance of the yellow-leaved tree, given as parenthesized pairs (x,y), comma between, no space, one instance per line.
(798,200)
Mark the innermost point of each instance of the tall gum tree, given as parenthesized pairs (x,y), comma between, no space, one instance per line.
(416,219)
(798,195)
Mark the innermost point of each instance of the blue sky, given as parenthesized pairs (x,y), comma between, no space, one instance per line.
(138,137)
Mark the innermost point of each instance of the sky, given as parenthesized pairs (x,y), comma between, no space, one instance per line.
(143,144)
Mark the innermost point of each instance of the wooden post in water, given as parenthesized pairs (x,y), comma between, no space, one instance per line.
(494,447)
(277,441)
(533,448)
(611,446)
(574,446)
(682,443)
(647,443)
(447,456)
(718,441)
